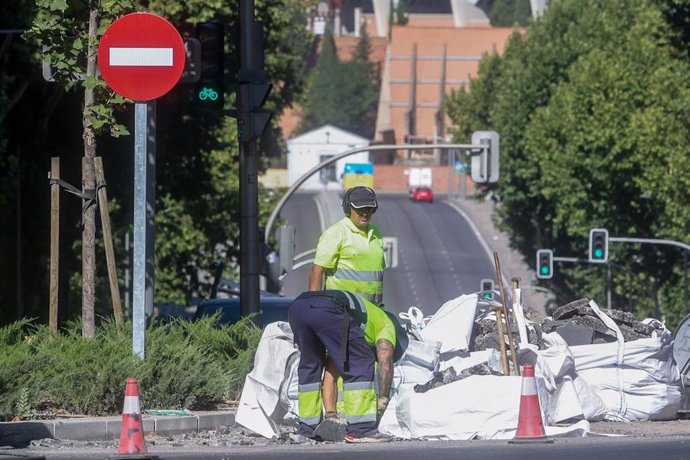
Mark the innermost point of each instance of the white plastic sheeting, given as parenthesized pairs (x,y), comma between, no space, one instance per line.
(633,381)
(259,408)
(636,380)
(452,324)
(478,407)
(572,398)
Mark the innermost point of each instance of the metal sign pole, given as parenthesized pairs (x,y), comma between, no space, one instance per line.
(139,265)
(150,203)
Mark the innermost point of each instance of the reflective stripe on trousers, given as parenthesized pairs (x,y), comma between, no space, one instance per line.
(360,402)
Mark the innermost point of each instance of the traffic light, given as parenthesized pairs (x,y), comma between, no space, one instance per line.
(485,160)
(486,288)
(210,89)
(252,94)
(192,63)
(545,264)
(598,245)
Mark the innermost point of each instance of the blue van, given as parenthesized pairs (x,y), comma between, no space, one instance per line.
(273,308)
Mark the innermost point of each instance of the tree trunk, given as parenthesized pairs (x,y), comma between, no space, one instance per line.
(88,251)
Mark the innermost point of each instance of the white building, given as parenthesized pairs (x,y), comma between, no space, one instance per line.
(313,147)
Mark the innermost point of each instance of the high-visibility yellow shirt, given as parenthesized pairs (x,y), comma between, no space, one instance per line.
(353,259)
(378,325)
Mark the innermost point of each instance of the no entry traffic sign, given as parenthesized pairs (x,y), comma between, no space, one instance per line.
(141,56)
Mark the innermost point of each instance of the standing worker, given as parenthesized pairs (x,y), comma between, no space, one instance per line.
(350,252)
(350,257)
(347,327)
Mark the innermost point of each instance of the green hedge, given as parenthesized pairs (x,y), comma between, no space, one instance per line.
(188,365)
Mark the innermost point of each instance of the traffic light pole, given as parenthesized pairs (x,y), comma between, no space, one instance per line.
(569,259)
(249,191)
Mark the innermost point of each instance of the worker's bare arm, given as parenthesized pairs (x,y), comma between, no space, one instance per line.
(316,277)
(384,357)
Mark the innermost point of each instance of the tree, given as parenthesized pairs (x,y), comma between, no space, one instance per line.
(197,186)
(589,104)
(59,31)
(507,13)
(341,93)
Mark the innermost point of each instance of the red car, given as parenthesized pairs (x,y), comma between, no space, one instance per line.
(422,194)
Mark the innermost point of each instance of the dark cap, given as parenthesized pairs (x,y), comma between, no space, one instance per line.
(362,197)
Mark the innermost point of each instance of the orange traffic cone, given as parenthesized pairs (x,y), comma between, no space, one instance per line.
(132,444)
(530,427)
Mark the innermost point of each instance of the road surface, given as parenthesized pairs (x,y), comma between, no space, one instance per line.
(439,255)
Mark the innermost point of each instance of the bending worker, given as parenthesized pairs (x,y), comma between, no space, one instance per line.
(347,327)
(350,257)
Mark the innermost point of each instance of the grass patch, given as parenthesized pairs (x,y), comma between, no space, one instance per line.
(188,365)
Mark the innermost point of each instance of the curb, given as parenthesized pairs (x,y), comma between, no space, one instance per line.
(108,428)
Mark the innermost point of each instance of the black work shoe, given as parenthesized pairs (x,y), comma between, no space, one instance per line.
(331,429)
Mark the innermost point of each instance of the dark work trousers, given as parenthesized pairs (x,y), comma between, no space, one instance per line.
(317,324)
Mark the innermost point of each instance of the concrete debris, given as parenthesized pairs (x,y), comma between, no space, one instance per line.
(485,335)
(439,379)
(223,436)
(450,375)
(577,323)
(479,369)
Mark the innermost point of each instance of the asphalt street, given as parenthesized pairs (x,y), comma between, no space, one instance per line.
(677,448)
(439,254)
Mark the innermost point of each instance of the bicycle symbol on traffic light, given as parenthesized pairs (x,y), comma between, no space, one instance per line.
(208,93)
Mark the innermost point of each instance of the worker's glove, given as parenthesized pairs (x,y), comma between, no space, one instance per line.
(381,405)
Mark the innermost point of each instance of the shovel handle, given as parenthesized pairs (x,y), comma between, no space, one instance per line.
(505,313)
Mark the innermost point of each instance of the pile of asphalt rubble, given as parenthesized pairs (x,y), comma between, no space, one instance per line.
(576,322)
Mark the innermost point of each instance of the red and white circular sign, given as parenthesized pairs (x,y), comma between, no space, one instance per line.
(141,56)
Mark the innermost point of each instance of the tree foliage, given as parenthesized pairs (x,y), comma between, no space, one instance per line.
(507,13)
(591,105)
(344,94)
(197,191)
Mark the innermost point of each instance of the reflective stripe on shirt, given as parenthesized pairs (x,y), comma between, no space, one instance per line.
(359,275)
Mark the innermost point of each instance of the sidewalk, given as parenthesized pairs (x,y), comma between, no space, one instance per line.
(108,428)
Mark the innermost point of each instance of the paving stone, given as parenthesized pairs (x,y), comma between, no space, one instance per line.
(574,334)
(621,316)
(551,326)
(578,307)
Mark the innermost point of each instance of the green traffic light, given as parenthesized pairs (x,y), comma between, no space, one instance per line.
(207,93)
(544,270)
(598,253)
